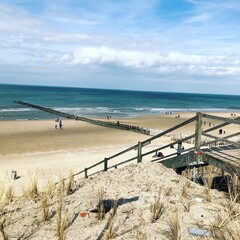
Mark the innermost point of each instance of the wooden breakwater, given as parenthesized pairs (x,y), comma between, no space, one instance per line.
(116,125)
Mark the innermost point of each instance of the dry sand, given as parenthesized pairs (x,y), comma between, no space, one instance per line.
(135,188)
(36,148)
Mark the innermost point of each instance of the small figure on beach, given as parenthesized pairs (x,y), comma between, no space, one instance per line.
(60,124)
(160,155)
(220,131)
(55,126)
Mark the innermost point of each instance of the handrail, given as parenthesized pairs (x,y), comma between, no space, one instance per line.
(123,162)
(170,129)
(149,140)
(228,120)
(96,164)
(145,131)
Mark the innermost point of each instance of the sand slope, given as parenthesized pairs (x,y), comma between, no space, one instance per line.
(135,187)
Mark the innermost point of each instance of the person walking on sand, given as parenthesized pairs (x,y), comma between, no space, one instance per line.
(60,124)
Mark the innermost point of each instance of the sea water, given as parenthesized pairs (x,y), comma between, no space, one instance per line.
(101,103)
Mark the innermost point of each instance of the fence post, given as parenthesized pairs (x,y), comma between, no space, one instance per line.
(179,148)
(198,133)
(86,176)
(105,164)
(139,159)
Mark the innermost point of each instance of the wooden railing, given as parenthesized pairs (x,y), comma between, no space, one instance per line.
(179,154)
(139,147)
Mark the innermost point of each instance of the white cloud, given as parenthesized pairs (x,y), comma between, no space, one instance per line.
(15,20)
(199,18)
(161,62)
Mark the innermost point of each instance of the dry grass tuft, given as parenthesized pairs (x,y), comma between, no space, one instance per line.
(70,183)
(2,231)
(141,236)
(50,189)
(148,184)
(185,188)
(111,232)
(175,226)
(221,229)
(45,203)
(6,220)
(32,191)
(157,208)
(207,188)
(208,194)
(187,206)
(233,190)
(6,196)
(61,223)
(100,206)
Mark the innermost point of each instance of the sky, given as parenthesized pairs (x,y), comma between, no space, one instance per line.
(153,45)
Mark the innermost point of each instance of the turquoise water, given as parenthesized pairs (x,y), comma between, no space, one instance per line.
(102,102)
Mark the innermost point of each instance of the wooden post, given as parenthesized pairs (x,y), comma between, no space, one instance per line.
(139,159)
(198,133)
(105,164)
(194,174)
(179,148)
(86,176)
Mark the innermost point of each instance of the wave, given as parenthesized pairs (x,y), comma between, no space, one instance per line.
(238,108)
(16,110)
(188,109)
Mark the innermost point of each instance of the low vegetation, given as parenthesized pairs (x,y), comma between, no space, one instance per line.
(175,203)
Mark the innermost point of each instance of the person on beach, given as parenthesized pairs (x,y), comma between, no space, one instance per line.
(60,124)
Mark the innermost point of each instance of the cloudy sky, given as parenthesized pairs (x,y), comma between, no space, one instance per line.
(156,45)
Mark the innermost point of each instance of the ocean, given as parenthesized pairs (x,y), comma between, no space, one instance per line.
(101,103)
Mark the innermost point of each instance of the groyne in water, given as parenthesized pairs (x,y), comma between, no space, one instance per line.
(109,124)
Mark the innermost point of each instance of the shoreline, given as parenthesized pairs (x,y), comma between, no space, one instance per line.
(155,112)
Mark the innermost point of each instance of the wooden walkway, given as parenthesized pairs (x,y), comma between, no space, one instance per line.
(226,157)
(222,152)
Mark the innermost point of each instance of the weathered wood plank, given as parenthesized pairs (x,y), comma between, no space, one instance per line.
(223,119)
(224,165)
(171,129)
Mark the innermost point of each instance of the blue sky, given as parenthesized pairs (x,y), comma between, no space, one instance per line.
(156,45)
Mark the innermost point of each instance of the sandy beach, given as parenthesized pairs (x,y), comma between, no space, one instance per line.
(36,148)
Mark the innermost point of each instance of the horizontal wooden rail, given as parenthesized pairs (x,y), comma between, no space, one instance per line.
(122,162)
(149,140)
(170,129)
(223,119)
(220,139)
(96,164)
(122,152)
